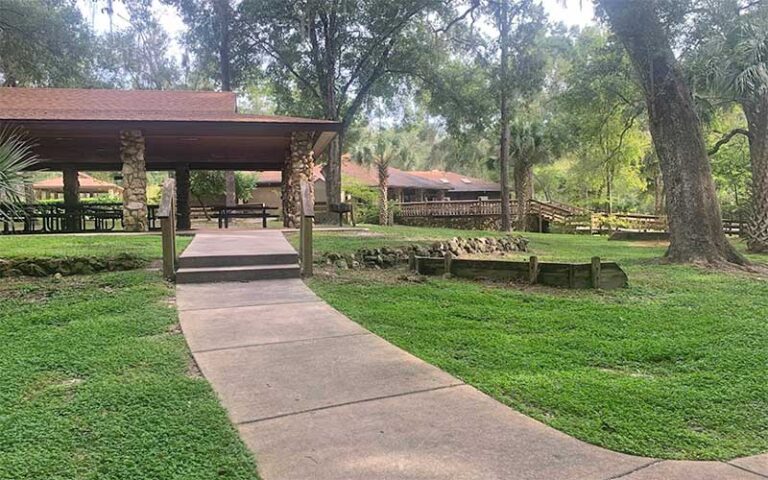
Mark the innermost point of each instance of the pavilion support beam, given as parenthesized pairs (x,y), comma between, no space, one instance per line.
(134,181)
(298,166)
(183,220)
(71,199)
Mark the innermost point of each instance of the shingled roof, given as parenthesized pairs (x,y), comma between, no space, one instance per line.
(456,182)
(367,175)
(128,105)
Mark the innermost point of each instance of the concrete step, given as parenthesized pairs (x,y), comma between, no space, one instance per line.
(237,274)
(213,261)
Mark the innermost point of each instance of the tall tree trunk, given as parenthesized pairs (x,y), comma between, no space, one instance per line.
(332,170)
(503,22)
(658,194)
(757,120)
(383,169)
(695,223)
(609,188)
(523,174)
(223,18)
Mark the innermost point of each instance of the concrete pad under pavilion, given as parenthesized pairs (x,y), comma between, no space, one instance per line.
(135,131)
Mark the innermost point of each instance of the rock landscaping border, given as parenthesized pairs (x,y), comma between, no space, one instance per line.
(44,267)
(388,257)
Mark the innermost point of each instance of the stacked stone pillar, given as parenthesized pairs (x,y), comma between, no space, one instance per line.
(298,166)
(183,221)
(71,199)
(134,181)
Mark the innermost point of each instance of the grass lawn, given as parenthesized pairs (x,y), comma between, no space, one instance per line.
(48,246)
(675,366)
(96,380)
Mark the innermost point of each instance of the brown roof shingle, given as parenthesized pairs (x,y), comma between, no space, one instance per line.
(130,105)
(457,182)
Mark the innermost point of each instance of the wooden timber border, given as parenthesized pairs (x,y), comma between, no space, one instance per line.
(596,274)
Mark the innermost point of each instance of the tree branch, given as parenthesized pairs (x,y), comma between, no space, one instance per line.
(727,138)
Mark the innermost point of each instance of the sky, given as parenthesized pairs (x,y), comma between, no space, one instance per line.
(574,13)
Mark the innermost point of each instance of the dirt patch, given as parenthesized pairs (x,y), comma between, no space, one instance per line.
(193,371)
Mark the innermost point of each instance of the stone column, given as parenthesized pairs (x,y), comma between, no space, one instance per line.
(183,221)
(299,165)
(71,199)
(134,181)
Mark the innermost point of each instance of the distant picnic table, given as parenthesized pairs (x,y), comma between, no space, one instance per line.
(251,210)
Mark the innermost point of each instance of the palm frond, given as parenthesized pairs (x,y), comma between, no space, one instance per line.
(16,156)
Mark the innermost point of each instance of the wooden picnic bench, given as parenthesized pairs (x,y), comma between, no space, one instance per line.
(251,210)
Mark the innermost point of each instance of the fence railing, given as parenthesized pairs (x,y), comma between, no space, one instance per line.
(483,208)
(572,217)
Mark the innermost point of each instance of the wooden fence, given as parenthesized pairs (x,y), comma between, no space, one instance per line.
(573,218)
(485,208)
(597,274)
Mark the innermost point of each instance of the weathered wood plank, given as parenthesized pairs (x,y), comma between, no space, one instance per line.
(605,275)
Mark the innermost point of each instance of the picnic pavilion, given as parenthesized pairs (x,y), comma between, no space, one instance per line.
(135,131)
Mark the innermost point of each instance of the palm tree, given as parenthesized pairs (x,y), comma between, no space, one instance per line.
(527,147)
(15,156)
(379,149)
(735,67)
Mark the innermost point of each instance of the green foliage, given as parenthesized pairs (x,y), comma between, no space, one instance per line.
(103,198)
(15,156)
(365,198)
(603,111)
(44,43)
(212,183)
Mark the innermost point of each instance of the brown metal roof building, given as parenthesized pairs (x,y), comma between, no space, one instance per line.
(136,131)
(87,186)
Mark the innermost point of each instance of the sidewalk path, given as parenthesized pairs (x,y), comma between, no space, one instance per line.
(316,396)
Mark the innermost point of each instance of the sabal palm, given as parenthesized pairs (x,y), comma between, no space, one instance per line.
(16,155)
(736,67)
(379,150)
(527,147)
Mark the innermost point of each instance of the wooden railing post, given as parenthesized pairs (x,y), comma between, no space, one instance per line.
(166,212)
(533,269)
(307,220)
(596,266)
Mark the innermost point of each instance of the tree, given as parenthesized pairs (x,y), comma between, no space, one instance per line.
(205,184)
(330,57)
(44,43)
(15,156)
(695,223)
(380,149)
(210,24)
(528,147)
(732,63)
(138,57)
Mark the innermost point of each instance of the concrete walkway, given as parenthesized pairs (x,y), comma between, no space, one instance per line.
(316,396)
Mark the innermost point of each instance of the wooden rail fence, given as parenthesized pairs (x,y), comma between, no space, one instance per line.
(572,217)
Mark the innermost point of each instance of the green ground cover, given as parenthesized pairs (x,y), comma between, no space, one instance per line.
(675,366)
(50,246)
(96,380)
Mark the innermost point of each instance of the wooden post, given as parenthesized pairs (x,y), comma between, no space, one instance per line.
(412,262)
(166,212)
(71,181)
(305,225)
(596,272)
(448,261)
(571,276)
(533,269)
